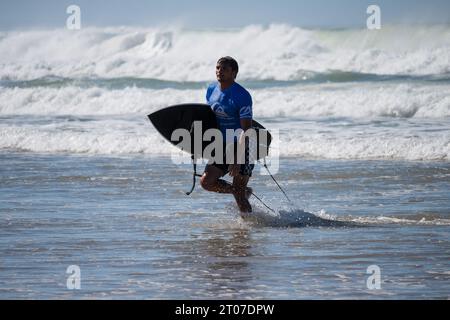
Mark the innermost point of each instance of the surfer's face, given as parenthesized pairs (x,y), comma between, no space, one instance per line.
(224,73)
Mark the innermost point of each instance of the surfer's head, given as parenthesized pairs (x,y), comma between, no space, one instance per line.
(226,69)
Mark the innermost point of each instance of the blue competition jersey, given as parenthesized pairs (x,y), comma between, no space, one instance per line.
(229,105)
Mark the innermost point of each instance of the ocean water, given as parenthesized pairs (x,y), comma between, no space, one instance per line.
(363,120)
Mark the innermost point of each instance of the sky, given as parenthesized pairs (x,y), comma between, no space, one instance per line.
(201,14)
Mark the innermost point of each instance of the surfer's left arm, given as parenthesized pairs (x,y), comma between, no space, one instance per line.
(245,125)
(245,117)
(245,114)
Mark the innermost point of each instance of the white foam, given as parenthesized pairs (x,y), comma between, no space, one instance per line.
(99,120)
(368,144)
(362,100)
(293,218)
(137,137)
(94,141)
(382,220)
(355,101)
(299,218)
(90,101)
(279,52)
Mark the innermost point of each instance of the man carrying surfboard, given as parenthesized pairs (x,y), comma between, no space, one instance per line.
(232,105)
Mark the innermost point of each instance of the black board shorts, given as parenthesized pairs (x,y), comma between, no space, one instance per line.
(246,169)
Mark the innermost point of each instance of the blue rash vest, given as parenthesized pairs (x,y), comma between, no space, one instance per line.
(230,106)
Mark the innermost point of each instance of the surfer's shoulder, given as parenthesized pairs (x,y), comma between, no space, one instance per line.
(240,89)
(242,93)
(210,90)
(212,86)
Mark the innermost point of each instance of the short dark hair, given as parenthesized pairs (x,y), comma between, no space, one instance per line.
(229,61)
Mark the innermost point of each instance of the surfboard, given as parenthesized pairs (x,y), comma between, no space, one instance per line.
(182,116)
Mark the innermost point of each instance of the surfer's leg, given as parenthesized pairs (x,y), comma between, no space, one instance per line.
(211,181)
(240,193)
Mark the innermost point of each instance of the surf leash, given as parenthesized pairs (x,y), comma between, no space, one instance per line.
(259,199)
(265,205)
(199,175)
(265,166)
(193,176)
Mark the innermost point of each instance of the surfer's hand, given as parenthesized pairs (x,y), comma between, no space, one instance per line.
(234,169)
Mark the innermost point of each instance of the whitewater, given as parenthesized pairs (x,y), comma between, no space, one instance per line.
(332,94)
(274,52)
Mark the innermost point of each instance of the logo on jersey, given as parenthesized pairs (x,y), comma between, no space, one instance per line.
(219,111)
(246,111)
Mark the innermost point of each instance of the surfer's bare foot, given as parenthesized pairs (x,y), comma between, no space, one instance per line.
(245,215)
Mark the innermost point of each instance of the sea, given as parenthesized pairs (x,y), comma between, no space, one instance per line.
(93,205)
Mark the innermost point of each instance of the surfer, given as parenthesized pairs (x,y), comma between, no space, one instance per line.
(232,105)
